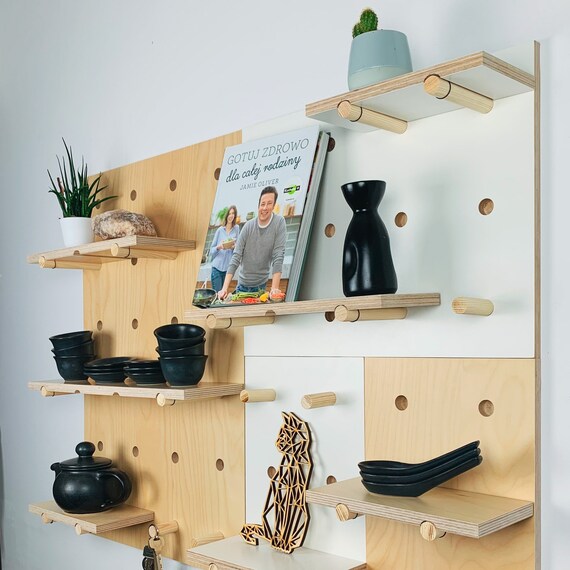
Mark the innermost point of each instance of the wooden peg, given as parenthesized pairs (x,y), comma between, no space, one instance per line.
(346,315)
(129,253)
(249,396)
(79,530)
(46,519)
(357,114)
(46,393)
(472,306)
(212,566)
(443,89)
(68,264)
(320,400)
(344,513)
(161,529)
(206,539)
(162,401)
(214,322)
(430,532)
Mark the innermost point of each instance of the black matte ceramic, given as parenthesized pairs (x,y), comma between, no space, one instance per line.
(83,486)
(367,266)
(417,489)
(179,335)
(422,475)
(71,367)
(138,363)
(183,370)
(112,377)
(104,364)
(195,349)
(67,340)
(381,467)
(147,377)
(84,349)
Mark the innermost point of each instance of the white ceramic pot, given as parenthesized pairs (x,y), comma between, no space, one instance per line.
(376,56)
(76,231)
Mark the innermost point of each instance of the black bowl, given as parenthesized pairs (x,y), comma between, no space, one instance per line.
(85,348)
(71,367)
(183,370)
(192,350)
(67,340)
(179,335)
(421,487)
(382,467)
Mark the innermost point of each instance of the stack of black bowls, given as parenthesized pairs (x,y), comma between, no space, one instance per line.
(415,479)
(181,351)
(71,351)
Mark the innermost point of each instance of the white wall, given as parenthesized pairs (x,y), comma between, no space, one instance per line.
(127,80)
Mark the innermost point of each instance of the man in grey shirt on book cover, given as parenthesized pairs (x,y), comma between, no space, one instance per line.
(260,248)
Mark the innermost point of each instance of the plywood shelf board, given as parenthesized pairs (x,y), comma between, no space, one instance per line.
(458,512)
(234,554)
(404,97)
(97,523)
(319,306)
(200,391)
(102,249)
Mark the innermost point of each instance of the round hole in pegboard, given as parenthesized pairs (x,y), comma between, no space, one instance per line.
(134,260)
(98,207)
(175,457)
(173,185)
(330,230)
(100,445)
(401,402)
(220,465)
(271,471)
(331,479)
(135,324)
(329,316)
(99,325)
(331,144)
(174,321)
(217,173)
(401,219)
(135,451)
(486,206)
(133,195)
(486,408)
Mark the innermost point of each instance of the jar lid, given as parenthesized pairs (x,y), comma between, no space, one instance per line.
(85,459)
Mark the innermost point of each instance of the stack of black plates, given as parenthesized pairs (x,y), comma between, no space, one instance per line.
(144,372)
(415,479)
(107,370)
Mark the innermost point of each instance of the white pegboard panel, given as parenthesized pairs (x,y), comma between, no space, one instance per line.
(337,438)
(437,173)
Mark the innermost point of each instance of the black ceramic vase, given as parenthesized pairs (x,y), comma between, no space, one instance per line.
(367,267)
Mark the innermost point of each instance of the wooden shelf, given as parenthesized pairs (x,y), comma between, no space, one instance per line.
(364,303)
(162,394)
(404,98)
(458,512)
(97,523)
(234,554)
(91,255)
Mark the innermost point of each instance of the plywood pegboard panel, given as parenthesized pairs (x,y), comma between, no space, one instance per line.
(123,303)
(337,435)
(443,399)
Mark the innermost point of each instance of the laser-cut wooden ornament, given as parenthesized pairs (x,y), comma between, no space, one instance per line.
(286,496)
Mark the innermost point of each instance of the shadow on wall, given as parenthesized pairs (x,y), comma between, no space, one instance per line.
(1,501)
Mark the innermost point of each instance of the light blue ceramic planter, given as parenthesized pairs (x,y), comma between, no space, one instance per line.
(376,56)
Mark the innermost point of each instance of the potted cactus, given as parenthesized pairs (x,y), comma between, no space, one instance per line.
(77,198)
(376,55)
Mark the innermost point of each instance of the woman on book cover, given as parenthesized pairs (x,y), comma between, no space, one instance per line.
(260,248)
(222,248)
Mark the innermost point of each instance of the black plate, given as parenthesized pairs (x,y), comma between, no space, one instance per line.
(101,377)
(106,363)
(399,478)
(417,489)
(382,467)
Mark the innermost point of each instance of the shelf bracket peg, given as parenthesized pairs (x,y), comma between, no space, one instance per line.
(443,89)
(46,519)
(430,532)
(346,315)
(155,530)
(79,530)
(206,539)
(472,306)
(249,396)
(319,400)
(356,114)
(344,513)
(214,322)
(163,401)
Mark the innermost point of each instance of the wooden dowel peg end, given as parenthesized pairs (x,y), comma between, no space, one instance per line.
(206,539)
(249,396)
(443,89)
(344,513)
(357,114)
(319,400)
(163,401)
(155,530)
(430,532)
(472,306)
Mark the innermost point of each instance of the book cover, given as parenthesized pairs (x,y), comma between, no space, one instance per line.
(259,222)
